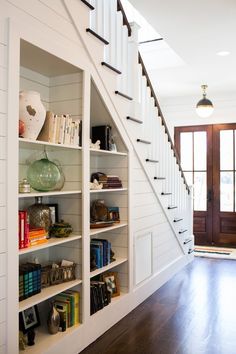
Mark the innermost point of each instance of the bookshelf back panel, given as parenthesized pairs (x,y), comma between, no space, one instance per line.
(69,161)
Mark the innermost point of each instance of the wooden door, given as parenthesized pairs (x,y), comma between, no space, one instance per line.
(224,179)
(208,158)
(194,145)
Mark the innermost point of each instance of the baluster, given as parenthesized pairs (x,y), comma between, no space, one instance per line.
(93,15)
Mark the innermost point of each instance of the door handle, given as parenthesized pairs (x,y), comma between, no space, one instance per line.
(209,195)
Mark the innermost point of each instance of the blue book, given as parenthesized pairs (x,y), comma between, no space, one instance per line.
(100,246)
(105,250)
(96,250)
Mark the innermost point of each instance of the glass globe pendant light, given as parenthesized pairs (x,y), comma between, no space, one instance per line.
(204,107)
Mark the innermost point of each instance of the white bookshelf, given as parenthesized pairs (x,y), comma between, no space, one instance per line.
(38,144)
(47,293)
(48,194)
(114,264)
(108,190)
(50,243)
(106,152)
(107,229)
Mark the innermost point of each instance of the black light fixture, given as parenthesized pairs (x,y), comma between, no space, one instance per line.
(204,107)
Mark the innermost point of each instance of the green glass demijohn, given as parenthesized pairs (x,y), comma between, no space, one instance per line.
(43,175)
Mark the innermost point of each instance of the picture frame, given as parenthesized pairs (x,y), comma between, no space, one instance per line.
(29,319)
(54,212)
(112,282)
(113,214)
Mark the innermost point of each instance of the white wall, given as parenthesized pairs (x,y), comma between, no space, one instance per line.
(3,181)
(180,111)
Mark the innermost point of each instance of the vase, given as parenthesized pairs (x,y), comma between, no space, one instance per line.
(53,320)
(39,214)
(32,113)
(43,175)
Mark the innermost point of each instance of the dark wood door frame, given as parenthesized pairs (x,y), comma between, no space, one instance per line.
(202,225)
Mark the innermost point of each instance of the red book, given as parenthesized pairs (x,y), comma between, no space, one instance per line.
(26,229)
(21,229)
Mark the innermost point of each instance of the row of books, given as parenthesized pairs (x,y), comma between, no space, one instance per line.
(29,280)
(30,236)
(100,253)
(61,130)
(67,304)
(109,181)
(99,296)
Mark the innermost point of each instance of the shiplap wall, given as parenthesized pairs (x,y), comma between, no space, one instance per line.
(3,181)
(149,218)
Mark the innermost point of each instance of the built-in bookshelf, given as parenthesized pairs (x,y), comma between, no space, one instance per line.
(61,86)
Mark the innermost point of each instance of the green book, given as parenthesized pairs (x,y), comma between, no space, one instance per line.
(75,294)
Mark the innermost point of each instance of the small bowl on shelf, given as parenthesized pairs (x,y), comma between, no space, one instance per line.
(60,229)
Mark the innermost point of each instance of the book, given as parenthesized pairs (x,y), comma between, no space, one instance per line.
(66,299)
(21,229)
(26,229)
(75,304)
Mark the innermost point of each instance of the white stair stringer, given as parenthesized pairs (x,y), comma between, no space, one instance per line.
(154,132)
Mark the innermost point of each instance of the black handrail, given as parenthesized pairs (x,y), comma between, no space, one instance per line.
(125,20)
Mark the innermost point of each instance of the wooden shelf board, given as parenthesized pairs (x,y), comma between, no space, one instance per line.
(47,194)
(47,293)
(37,144)
(106,152)
(44,340)
(117,262)
(108,228)
(108,190)
(51,242)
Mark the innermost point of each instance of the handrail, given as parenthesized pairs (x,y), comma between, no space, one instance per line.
(125,20)
(144,72)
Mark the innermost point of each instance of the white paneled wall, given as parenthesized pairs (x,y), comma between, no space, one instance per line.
(149,219)
(3,187)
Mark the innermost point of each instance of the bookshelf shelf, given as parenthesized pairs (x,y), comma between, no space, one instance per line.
(117,262)
(109,228)
(38,145)
(114,301)
(48,194)
(108,190)
(106,152)
(51,242)
(45,340)
(47,293)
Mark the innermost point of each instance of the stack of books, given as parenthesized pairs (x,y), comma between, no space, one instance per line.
(100,253)
(67,304)
(61,130)
(29,280)
(109,182)
(99,296)
(37,236)
(23,229)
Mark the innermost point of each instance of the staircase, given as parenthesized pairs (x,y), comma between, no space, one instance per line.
(116,52)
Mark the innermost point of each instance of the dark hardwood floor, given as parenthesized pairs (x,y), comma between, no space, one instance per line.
(193,313)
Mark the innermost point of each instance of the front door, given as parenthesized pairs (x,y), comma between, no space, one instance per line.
(208,159)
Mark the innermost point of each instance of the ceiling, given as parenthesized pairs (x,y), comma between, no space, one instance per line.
(195,31)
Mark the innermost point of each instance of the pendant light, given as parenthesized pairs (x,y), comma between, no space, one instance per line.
(204,107)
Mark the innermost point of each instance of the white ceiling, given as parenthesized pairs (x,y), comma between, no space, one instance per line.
(195,30)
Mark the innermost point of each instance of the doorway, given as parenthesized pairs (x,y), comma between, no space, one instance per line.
(208,159)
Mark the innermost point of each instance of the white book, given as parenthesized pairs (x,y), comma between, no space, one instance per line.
(62,130)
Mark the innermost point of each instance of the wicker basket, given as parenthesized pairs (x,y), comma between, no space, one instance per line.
(52,276)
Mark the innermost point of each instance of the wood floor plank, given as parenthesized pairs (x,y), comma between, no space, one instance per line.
(193,313)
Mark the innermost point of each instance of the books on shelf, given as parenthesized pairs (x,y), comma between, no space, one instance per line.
(100,253)
(60,130)
(29,280)
(110,182)
(23,229)
(67,304)
(29,236)
(99,296)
